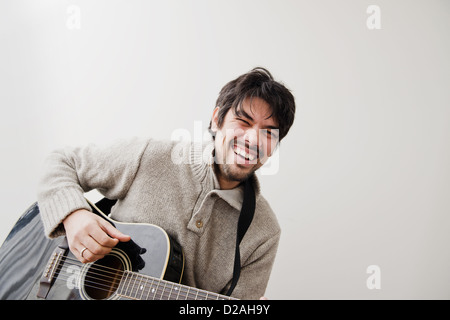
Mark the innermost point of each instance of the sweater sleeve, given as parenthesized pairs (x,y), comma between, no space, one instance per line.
(256,271)
(70,172)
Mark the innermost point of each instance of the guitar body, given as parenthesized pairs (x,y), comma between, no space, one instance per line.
(33,266)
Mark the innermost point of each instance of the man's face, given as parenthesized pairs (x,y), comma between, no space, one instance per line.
(244,142)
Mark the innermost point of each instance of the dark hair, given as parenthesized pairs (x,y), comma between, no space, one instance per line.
(258,83)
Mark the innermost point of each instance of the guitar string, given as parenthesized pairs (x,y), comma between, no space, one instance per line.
(97,285)
(118,274)
(96,267)
(103,274)
(108,288)
(182,292)
(115,274)
(89,274)
(76,261)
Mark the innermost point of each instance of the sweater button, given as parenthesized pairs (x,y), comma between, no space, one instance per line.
(199,224)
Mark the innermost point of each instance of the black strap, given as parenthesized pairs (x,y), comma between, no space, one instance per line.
(245,219)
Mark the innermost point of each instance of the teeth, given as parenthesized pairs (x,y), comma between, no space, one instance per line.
(244,154)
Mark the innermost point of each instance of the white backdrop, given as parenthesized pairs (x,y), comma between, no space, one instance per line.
(364,174)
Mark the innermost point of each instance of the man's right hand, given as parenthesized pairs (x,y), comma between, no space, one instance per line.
(85,229)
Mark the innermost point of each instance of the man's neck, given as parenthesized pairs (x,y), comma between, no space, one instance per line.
(225,184)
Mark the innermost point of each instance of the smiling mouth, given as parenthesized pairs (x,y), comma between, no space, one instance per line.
(245,153)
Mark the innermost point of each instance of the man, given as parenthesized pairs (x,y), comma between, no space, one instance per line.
(197,200)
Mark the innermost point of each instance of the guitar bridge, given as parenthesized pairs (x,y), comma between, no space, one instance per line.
(48,275)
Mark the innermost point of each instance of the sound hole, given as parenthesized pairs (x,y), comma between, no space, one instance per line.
(103,277)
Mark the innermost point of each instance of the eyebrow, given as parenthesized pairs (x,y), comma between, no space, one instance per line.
(246,115)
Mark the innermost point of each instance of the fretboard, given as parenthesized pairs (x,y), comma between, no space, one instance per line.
(142,287)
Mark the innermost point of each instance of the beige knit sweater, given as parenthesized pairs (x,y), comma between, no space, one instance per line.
(172,185)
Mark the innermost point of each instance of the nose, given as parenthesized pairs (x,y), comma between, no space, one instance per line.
(251,137)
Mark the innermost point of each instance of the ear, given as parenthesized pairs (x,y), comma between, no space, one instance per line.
(215,120)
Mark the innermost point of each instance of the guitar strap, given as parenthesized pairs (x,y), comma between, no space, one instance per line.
(245,219)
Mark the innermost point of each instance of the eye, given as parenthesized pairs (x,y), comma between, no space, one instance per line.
(243,121)
(272,134)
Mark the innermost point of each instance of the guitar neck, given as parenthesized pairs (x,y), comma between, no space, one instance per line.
(142,287)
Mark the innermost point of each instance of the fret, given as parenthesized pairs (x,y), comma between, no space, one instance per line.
(127,288)
(134,286)
(201,295)
(182,294)
(170,293)
(186,297)
(163,291)
(138,286)
(191,297)
(169,288)
(177,290)
(150,289)
(124,286)
(156,291)
(141,287)
(135,290)
(155,285)
(120,288)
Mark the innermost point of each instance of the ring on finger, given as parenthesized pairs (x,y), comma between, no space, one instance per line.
(82,251)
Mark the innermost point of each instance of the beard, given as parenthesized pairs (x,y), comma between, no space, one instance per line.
(227,165)
(231,173)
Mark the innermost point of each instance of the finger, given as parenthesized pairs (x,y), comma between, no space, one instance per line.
(94,247)
(113,232)
(102,238)
(85,256)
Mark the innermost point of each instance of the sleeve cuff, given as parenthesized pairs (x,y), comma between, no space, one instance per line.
(57,207)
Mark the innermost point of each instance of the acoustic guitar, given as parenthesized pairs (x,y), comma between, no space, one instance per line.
(149,266)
